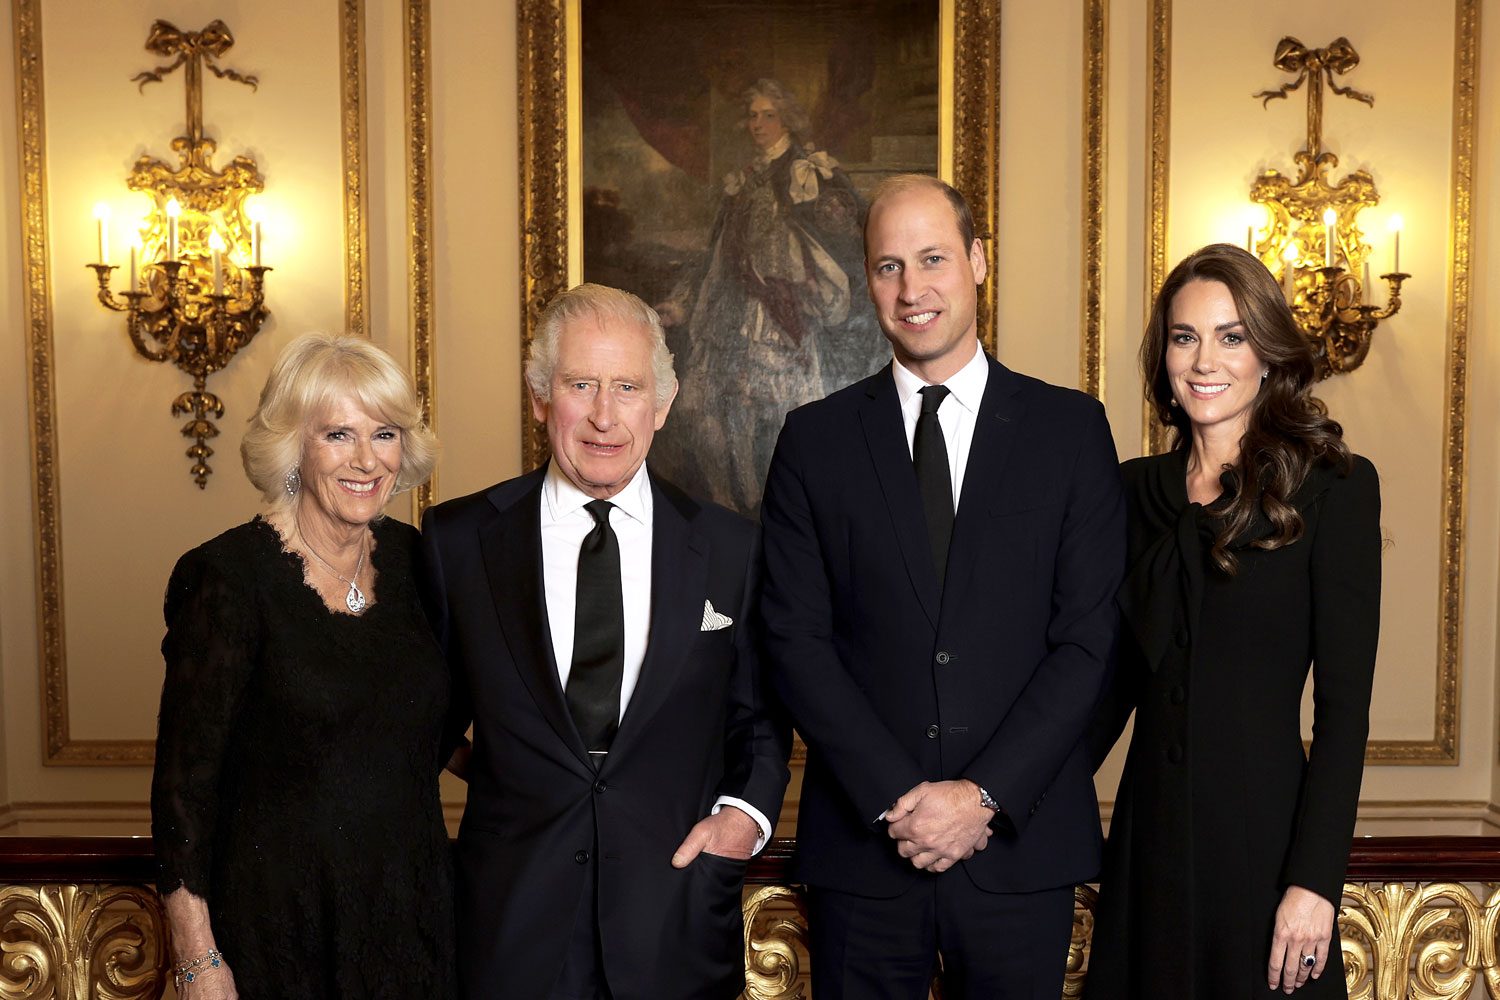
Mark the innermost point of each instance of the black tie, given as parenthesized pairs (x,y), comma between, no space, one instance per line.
(598,634)
(930,455)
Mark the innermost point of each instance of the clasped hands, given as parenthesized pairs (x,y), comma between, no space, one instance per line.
(939,823)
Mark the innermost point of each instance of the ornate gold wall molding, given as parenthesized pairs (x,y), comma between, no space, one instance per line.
(47,490)
(59,746)
(1095,120)
(1442,748)
(976,134)
(356,209)
(1159,147)
(418,43)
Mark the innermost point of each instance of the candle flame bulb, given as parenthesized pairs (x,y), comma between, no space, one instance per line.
(1291,253)
(1330,216)
(101,211)
(174,208)
(216,242)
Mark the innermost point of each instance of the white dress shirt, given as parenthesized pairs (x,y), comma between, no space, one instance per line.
(965,391)
(956,415)
(565,524)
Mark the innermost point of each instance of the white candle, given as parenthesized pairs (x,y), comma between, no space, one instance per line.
(1364,288)
(216,245)
(255,243)
(1249,239)
(135,249)
(1329,218)
(1396,253)
(101,221)
(174,209)
(1289,271)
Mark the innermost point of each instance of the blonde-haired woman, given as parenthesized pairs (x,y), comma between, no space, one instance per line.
(295,808)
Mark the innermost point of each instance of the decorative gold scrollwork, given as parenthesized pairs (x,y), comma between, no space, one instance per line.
(1085,901)
(774,940)
(81,942)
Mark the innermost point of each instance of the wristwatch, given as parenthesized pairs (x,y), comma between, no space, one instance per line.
(988,801)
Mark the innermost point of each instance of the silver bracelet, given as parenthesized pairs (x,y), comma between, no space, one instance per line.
(185,972)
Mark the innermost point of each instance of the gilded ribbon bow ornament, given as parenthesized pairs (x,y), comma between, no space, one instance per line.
(1294,57)
(196,49)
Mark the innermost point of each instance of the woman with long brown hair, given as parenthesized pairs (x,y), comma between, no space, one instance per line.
(1254,554)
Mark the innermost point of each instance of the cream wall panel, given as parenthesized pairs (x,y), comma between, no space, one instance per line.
(128,505)
(1038,265)
(1221,139)
(476,214)
(1125,222)
(1127,110)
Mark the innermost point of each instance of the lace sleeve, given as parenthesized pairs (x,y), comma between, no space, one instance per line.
(210,649)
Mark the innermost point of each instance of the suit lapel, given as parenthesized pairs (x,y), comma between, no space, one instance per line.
(512,548)
(996,429)
(679,584)
(885,434)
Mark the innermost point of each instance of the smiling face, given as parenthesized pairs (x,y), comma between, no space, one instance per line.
(1213,371)
(763,122)
(923,280)
(350,459)
(603,413)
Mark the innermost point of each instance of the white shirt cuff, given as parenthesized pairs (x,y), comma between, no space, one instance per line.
(763,824)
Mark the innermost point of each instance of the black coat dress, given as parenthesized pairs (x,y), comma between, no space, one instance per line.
(296,784)
(1219,810)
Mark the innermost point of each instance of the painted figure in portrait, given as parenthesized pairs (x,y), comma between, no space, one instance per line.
(727,191)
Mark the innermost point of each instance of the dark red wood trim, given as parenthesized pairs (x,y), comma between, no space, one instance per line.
(129,859)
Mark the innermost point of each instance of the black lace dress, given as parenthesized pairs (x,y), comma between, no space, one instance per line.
(297,761)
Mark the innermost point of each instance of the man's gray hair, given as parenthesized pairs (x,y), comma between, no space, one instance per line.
(793,118)
(601,303)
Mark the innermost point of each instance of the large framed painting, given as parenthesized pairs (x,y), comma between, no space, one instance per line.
(715,159)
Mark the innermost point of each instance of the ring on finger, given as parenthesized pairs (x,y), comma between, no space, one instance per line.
(1308,961)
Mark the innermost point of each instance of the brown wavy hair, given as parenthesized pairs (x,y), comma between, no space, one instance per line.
(1289,430)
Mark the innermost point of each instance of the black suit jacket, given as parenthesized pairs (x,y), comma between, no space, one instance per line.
(893,680)
(539,818)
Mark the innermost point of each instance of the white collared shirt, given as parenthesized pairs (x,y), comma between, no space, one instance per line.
(565,524)
(956,415)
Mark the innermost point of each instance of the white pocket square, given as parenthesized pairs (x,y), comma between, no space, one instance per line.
(712,620)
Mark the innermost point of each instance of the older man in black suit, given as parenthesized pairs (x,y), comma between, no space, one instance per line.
(601,629)
(943,543)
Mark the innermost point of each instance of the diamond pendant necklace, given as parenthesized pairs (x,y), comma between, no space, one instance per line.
(355,599)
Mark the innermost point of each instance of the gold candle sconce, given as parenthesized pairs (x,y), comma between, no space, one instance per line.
(196,289)
(1313,240)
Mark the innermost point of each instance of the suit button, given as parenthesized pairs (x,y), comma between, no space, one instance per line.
(1181,635)
(582,857)
(599,787)
(932,732)
(1179,694)
(943,656)
(1174,753)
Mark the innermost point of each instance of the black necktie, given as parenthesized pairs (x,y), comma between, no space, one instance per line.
(929,453)
(598,634)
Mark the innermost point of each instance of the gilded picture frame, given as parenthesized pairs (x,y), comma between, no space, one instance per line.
(552,86)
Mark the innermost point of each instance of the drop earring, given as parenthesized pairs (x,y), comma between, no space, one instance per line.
(292,482)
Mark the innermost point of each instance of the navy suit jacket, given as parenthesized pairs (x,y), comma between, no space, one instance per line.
(539,819)
(892,679)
